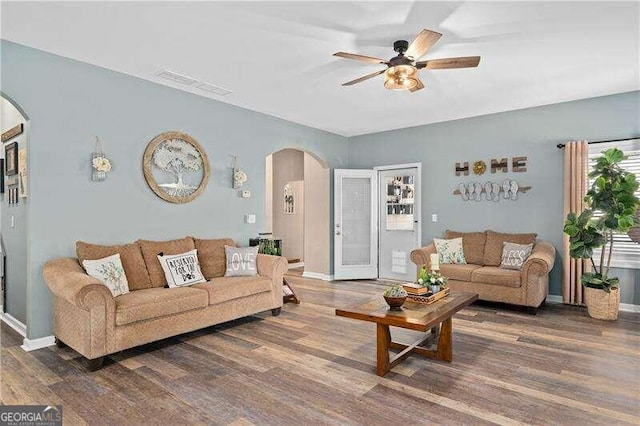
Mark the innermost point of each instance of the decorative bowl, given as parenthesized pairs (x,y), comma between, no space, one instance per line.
(395,303)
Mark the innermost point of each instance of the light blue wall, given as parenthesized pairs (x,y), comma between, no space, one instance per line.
(70,102)
(533,133)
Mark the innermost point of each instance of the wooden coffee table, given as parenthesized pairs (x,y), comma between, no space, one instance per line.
(413,316)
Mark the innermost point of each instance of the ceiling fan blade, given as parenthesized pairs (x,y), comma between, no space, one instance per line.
(438,64)
(418,87)
(363,78)
(362,58)
(422,43)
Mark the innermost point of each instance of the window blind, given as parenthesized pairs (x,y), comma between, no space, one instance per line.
(626,253)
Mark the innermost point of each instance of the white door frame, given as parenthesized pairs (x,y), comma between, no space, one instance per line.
(417,209)
(342,272)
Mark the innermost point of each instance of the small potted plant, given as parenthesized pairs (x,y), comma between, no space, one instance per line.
(432,279)
(613,196)
(395,297)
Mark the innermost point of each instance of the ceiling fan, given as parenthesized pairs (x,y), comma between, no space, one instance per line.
(402,70)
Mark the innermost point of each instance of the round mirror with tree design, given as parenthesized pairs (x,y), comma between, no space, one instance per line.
(175,167)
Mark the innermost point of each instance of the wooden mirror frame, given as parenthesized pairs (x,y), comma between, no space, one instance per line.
(148,172)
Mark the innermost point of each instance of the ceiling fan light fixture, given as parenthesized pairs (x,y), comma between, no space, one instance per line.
(400,77)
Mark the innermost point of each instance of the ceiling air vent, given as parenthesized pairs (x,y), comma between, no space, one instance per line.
(213,89)
(178,78)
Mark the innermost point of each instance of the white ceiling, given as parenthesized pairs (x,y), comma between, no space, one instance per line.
(276,58)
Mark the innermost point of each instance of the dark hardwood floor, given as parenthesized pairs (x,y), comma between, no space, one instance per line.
(308,366)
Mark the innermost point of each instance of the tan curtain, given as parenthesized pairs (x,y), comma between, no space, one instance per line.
(576,165)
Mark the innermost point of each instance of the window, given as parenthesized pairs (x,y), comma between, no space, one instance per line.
(626,253)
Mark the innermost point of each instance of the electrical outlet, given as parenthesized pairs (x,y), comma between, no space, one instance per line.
(250,218)
(434,217)
(246,193)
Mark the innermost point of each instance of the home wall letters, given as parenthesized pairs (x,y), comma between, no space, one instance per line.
(518,165)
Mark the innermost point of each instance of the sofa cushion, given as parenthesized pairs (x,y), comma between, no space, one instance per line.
(495,242)
(157,302)
(223,289)
(458,272)
(497,276)
(472,244)
(130,255)
(212,257)
(150,250)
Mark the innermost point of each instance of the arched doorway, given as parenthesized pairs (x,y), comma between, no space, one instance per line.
(13,215)
(297,209)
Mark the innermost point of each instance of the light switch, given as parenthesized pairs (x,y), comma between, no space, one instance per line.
(13,221)
(434,217)
(246,193)
(250,218)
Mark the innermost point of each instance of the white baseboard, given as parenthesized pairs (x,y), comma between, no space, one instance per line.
(628,307)
(29,345)
(296,265)
(624,307)
(554,298)
(317,276)
(18,326)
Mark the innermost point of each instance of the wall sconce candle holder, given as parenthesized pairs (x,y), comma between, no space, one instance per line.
(100,164)
(239,177)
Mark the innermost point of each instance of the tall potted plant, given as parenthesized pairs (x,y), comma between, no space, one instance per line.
(613,195)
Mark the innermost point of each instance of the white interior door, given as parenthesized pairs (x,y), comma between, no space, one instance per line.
(356,224)
(399,220)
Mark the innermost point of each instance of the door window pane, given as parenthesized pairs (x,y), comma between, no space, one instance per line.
(356,221)
(400,196)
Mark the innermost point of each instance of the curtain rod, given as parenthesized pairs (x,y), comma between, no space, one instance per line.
(561,145)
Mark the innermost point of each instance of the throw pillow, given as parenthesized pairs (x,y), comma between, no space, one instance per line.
(514,255)
(150,250)
(472,244)
(495,240)
(450,251)
(182,269)
(212,256)
(241,261)
(130,256)
(110,272)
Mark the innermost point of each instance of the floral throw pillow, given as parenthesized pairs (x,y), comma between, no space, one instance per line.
(181,269)
(109,270)
(514,255)
(450,251)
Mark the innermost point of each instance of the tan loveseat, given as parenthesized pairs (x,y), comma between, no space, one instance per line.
(482,274)
(94,323)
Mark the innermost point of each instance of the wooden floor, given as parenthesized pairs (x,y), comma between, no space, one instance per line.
(308,366)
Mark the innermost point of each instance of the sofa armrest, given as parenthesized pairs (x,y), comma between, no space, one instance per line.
(541,260)
(273,267)
(422,256)
(66,279)
(535,273)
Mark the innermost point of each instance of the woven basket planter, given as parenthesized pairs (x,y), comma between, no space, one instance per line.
(602,305)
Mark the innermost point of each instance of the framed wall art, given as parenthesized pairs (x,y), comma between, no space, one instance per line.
(11,159)
(176,167)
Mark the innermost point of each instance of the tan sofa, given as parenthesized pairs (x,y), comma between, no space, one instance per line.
(94,323)
(482,274)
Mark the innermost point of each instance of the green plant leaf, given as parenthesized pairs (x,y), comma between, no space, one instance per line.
(613,155)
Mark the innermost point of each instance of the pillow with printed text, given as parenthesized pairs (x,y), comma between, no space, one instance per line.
(181,270)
